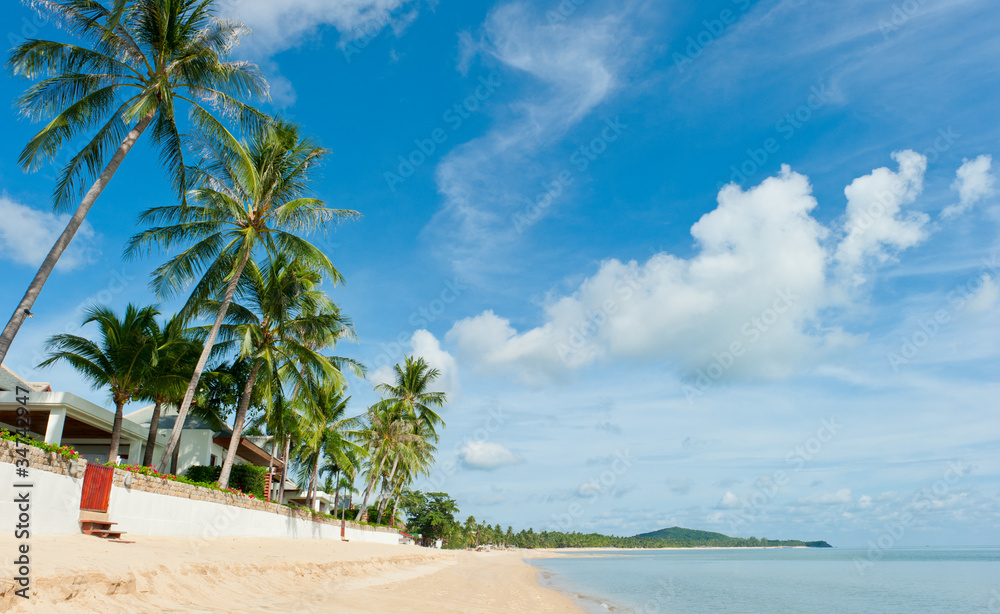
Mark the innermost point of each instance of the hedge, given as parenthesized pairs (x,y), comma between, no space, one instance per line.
(246,478)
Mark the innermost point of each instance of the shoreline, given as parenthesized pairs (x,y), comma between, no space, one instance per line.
(79,573)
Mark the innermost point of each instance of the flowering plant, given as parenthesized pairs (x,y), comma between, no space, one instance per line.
(65,451)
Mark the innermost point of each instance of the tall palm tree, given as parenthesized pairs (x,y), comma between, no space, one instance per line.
(135,61)
(402,430)
(410,396)
(252,196)
(177,354)
(280,323)
(119,361)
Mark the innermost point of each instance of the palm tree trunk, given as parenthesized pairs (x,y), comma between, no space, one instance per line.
(336,493)
(241,414)
(35,288)
(384,501)
(174,458)
(314,483)
(154,425)
(116,431)
(182,411)
(284,469)
(270,468)
(363,511)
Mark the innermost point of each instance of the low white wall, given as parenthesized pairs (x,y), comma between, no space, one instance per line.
(55,501)
(55,510)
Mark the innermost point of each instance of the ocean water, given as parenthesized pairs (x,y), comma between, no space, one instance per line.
(788,580)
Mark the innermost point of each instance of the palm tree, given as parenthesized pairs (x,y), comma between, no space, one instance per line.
(119,361)
(409,401)
(328,432)
(410,396)
(177,353)
(280,323)
(136,60)
(252,195)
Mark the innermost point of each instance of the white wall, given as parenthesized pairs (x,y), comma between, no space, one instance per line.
(55,501)
(55,510)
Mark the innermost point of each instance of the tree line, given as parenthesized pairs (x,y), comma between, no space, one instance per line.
(254,339)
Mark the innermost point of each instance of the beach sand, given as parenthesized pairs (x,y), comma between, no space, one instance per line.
(79,573)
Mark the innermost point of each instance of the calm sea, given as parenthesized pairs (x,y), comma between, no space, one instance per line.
(794,581)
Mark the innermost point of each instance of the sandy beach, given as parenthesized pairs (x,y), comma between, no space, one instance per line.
(78,573)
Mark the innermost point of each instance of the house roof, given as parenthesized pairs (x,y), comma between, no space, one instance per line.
(168,416)
(10,380)
(83,418)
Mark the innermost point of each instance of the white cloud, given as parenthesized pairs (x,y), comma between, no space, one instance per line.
(283,25)
(424,344)
(729,501)
(570,68)
(486,455)
(757,281)
(875,221)
(974,181)
(27,235)
(286,24)
(984,298)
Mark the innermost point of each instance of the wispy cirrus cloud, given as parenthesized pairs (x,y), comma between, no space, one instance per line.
(564,69)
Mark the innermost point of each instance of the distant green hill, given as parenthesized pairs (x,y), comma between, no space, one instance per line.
(681,537)
(686,534)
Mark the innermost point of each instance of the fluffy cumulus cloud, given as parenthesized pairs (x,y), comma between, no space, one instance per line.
(571,66)
(877,225)
(974,181)
(748,303)
(486,455)
(27,235)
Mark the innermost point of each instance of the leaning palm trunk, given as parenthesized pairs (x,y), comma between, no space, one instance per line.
(116,431)
(154,426)
(387,482)
(35,288)
(241,414)
(182,411)
(284,468)
(336,494)
(314,483)
(363,513)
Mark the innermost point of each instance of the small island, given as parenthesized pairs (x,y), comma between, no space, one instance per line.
(673,537)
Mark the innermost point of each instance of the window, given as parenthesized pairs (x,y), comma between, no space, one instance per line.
(212,463)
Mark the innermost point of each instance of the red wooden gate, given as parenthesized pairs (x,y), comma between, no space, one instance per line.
(96,488)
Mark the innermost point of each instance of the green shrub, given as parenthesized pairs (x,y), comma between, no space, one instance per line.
(200,473)
(245,478)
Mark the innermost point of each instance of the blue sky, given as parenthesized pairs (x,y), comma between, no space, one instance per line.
(726,265)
